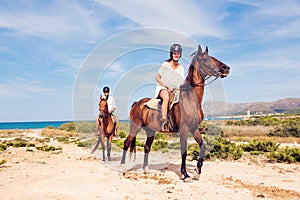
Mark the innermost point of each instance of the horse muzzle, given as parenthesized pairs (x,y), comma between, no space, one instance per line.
(224,71)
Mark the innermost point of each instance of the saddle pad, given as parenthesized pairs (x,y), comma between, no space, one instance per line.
(154,103)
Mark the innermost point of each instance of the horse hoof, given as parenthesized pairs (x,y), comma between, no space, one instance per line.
(196,175)
(146,170)
(187,180)
(122,169)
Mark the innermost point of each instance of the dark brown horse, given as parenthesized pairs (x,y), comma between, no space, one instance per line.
(185,115)
(105,127)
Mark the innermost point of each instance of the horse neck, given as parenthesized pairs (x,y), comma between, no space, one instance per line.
(191,95)
(196,83)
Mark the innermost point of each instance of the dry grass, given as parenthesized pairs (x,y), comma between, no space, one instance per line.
(248,133)
(48,132)
(11,133)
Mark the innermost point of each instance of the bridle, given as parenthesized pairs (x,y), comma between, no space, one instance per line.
(204,66)
(105,111)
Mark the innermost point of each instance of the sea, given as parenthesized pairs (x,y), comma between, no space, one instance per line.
(30,125)
(44,124)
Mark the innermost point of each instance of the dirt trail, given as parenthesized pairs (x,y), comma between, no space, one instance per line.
(75,174)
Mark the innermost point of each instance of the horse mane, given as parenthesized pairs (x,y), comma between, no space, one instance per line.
(189,77)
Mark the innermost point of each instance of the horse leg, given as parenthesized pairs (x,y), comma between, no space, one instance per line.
(109,139)
(147,148)
(103,146)
(134,129)
(183,146)
(202,145)
(127,143)
(133,149)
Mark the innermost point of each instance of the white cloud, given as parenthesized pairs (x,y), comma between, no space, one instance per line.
(21,87)
(59,20)
(201,18)
(115,69)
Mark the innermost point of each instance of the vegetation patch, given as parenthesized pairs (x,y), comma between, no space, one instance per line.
(48,148)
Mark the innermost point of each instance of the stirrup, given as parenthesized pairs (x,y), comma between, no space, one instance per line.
(165,126)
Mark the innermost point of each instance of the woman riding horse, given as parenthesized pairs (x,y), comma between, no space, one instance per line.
(187,114)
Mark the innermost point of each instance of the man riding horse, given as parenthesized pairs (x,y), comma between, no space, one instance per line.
(111,103)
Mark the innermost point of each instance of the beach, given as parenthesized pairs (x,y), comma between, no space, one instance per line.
(74,173)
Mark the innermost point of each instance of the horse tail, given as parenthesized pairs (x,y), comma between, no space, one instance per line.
(132,149)
(96,146)
(133,104)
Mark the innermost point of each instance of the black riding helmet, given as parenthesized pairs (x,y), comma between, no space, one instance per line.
(106,89)
(175,48)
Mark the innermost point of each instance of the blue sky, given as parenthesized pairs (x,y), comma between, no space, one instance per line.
(54,53)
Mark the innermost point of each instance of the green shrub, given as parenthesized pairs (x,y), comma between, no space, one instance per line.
(69,126)
(174,145)
(260,145)
(287,154)
(214,130)
(3,147)
(220,148)
(85,143)
(48,148)
(287,128)
(159,144)
(3,162)
(63,139)
(122,134)
(119,143)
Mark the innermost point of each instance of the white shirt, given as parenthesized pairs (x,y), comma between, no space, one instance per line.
(173,78)
(111,103)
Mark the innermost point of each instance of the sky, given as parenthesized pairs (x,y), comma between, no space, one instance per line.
(56,56)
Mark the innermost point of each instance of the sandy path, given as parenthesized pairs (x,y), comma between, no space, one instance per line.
(75,174)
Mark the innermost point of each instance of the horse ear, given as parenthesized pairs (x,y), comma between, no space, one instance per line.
(100,96)
(199,49)
(206,50)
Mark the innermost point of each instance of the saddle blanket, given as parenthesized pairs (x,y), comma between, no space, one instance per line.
(155,103)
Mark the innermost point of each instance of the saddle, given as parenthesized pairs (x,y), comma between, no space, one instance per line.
(155,104)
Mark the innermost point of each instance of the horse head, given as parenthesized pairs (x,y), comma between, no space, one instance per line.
(206,66)
(103,107)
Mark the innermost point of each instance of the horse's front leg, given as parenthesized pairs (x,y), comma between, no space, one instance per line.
(109,140)
(202,145)
(103,147)
(183,146)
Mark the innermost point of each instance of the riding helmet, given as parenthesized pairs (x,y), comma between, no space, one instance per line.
(106,89)
(176,48)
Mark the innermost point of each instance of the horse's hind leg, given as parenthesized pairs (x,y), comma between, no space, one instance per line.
(147,148)
(134,129)
(133,149)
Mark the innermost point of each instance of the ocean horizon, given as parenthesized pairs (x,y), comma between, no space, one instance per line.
(44,124)
(36,124)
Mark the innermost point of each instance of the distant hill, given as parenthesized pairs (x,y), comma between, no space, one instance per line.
(287,105)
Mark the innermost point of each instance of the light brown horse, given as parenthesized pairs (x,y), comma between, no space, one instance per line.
(105,127)
(186,115)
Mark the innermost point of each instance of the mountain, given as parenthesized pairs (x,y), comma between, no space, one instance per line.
(287,105)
